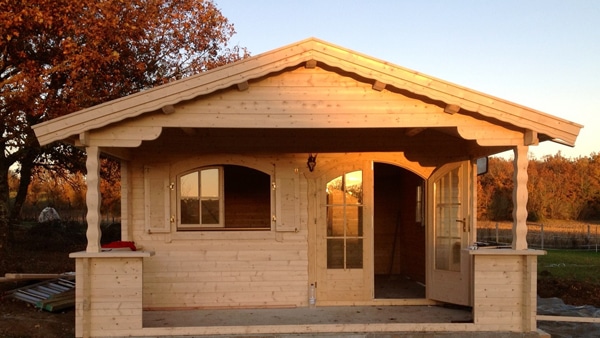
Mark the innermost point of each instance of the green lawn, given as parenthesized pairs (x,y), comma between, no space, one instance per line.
(572,264)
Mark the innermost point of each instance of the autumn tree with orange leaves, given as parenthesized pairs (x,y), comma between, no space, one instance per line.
(60,56)
(559,188)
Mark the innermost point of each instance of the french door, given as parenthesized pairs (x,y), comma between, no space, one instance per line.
(449,235)
(343,232)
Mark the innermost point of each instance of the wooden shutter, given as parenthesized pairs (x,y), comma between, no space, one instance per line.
(157,193)
(287,202)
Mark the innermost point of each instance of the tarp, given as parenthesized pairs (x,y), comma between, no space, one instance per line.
(49,214)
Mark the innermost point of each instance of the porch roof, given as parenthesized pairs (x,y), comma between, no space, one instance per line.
(382,73)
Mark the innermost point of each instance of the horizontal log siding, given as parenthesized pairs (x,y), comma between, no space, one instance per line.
(504,292)
(109,292)
(197,269)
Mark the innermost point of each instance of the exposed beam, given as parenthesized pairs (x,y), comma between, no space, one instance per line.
(379,86)
(451,109)
(168,109)
(189,131)
(310,64)
(84,138)
(243,86)
(414,131)
(531,138)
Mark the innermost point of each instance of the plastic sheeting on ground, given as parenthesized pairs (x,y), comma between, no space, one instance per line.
(556,307)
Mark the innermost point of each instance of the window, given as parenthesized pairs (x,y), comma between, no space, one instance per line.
(345,222)
(227,197)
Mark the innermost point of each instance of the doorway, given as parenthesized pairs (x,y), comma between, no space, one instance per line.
(399,233)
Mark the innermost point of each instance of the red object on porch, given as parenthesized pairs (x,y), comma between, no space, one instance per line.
(120,245)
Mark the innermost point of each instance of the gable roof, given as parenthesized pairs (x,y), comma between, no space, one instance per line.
(312,49)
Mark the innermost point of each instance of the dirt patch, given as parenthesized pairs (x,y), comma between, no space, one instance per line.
(45,249)
(572,292)
(39,249)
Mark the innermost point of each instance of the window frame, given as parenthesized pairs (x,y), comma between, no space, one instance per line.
(179,227)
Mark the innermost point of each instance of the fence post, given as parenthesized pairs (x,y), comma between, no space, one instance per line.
(497,233)
(542,234)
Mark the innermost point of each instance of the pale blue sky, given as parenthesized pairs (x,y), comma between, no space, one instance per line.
(544,54)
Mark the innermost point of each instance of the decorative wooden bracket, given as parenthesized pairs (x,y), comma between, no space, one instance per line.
(243,86)
(378,86)
(531,138)
(451,109)
(310,64)
(414,131)
(168,109)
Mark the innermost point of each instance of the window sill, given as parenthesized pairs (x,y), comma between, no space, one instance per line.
(224,234)
(112,254)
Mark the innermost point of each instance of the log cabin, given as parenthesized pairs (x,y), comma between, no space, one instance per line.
(307,173)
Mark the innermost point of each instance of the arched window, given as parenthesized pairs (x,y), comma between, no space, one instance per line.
(227,197)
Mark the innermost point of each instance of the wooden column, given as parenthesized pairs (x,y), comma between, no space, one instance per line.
(126,200)
(520,197)
(93,199)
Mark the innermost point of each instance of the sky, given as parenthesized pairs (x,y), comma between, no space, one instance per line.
(543,54)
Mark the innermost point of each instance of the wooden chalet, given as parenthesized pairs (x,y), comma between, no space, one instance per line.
(307,165)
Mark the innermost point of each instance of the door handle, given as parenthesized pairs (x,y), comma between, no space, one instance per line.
(464,223)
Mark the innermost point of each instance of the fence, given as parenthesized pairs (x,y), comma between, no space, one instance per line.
(541,236)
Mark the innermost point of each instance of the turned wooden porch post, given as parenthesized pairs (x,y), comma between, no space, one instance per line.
(92,198)
(519,230)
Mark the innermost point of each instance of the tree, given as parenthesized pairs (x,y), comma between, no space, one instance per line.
(60,56)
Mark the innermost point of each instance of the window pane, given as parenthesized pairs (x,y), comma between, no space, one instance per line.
(335,194)
(209,186)
(354,221)
(354,253)
(353,182)
(189,199)
(335,221)
(335,253)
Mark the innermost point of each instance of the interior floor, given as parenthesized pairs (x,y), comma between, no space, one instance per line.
(397,287)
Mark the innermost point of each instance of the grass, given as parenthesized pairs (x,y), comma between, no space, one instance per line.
(571,264)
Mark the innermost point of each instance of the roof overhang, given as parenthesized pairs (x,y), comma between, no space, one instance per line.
(310,52)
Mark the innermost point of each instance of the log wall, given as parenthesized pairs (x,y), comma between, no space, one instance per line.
(505,289)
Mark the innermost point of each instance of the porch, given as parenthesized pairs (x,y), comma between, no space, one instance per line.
(356,321)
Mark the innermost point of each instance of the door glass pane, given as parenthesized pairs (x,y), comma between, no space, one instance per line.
(353,187)
(209,186)
(190,208)
(354,221)
(335,253)
(354,253)
(335,221)
(335,194)
(447,226)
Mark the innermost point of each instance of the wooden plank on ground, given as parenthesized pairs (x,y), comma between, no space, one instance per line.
(568,319)
(26,276)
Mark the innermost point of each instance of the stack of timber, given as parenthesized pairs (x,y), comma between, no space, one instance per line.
(51,295)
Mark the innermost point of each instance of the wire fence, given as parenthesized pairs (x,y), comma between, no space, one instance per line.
(541,236)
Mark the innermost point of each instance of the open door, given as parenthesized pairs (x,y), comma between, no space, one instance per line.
(449,235)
